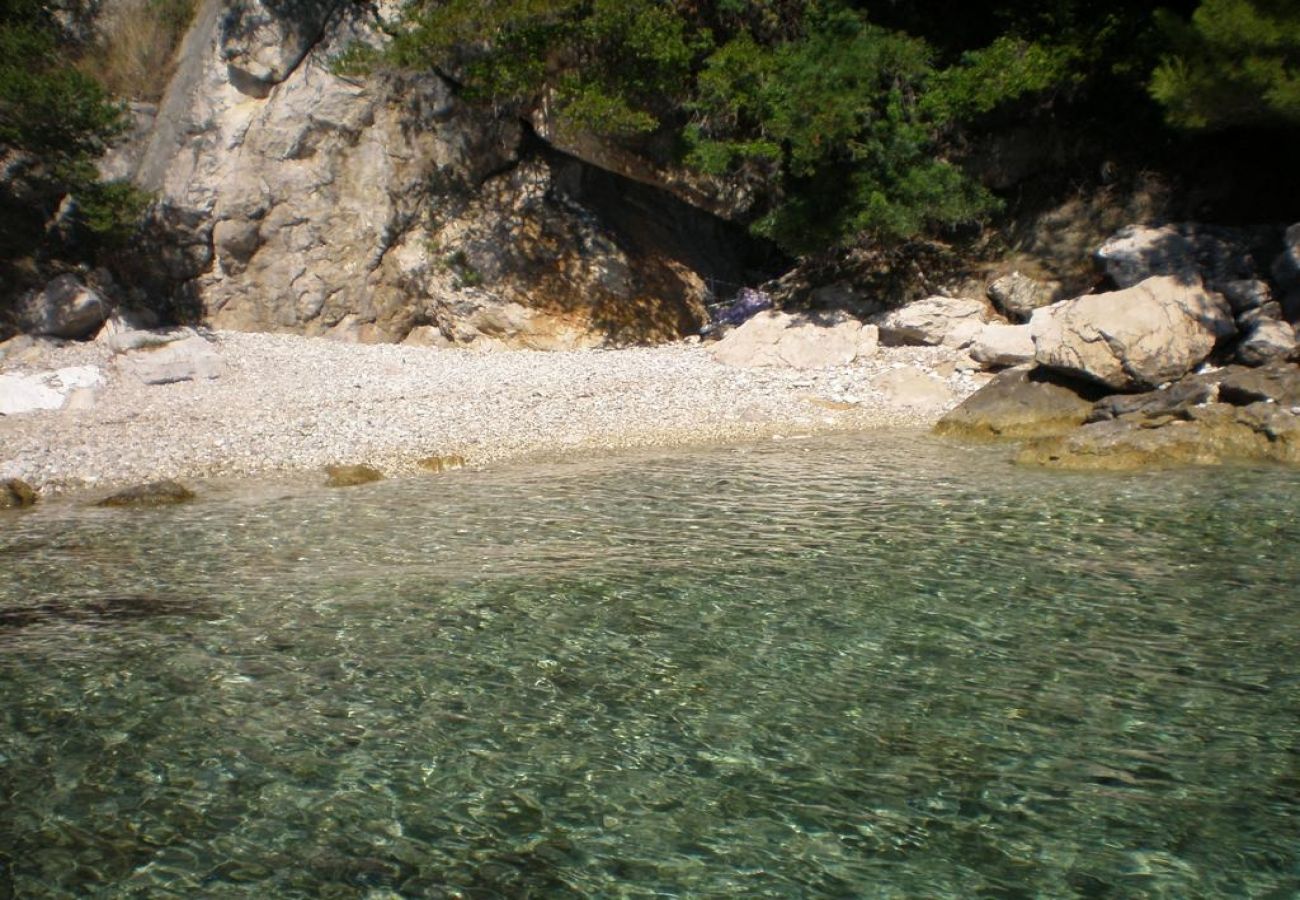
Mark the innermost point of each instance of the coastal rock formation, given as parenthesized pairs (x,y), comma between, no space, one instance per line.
(1133,339)
(296,199)
(1001,346)
(800,342)
(1265,340)
(46,390)
(935,321)
(182,360)
(1186,251)
(1021,403)
(1017,295)
(65,308)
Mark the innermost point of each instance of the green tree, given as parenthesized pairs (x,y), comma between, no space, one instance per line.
(1236,63)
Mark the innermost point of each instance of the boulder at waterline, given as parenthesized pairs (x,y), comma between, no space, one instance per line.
(1003,346)
(65,308)
(1133,339)
(442,463)
(15,493)
(1017,295)
(1021,403)
(798,341)
(155,493)
(1215,433)
(350,476)
(935,322)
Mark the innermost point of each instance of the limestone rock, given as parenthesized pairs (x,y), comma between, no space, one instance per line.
(1276,383)
(1215,433)
(1132,339)
(349,476)
(189,359)
(1001,346)
(155,493)
(1189,252)
(935,321)
(15,493)
(64,308)
(1266,339)
(914,387)
(802,342)
(45,390)
(1017,295)
(1021,403)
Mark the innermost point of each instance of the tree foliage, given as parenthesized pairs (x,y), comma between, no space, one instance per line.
(1237,62)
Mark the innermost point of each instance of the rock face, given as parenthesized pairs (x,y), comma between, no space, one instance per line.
(65,308)
(293,199)
(1132,339)
(1021,403)
(800,342)
(935,321)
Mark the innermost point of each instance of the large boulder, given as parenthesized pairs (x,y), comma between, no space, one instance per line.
(1189,252)
(797,341)
(1133,339)
(1021,403)
(934,322)
(1017,295)
(1265,340)
(1002,346)
(64,308)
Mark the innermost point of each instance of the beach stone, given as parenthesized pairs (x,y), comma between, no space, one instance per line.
(45,390)
(350,476)
(1017,295)
(15,493)
(935,322)
(64,308)
(155,493)
(1132,339)
(1021,403)
(1002,346)
(913,387)
(191,358)
(1266,339)
(804,341)
(442,463)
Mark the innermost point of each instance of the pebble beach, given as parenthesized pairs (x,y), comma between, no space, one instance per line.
(285,405)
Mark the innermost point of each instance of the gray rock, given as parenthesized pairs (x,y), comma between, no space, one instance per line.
(1246,294)
(1189,252)
(1176,400)
(1266,339)
(1277,383)
(1002,346)
(185,360)
(1286,268)
(1133,339)
(775,338)
(64,308)
(1017,295)
(934,322)
(1021,403)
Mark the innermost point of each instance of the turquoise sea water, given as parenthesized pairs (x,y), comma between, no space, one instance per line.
(879,666)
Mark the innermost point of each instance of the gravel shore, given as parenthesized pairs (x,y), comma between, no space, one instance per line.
(285,404)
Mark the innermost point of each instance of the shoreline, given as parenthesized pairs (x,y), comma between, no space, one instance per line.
(286,406)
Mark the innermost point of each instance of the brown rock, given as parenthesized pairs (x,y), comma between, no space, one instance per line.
(349,476)
(1020,403)
(16,493)
(155,493)
(442,463)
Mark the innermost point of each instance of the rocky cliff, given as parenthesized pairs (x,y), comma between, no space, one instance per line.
(293,199)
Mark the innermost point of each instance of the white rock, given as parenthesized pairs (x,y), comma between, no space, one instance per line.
(799,342)
(185,360)
(1001,346)
(914,387)
(1133,339)
(934,322)
(45,390)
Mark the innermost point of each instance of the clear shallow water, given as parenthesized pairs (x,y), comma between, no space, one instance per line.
(879,666)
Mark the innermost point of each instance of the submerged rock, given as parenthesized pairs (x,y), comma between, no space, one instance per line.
(349,476)
(155,493)
(1133,339)
(442,463)
(15,493)
(1021,403)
